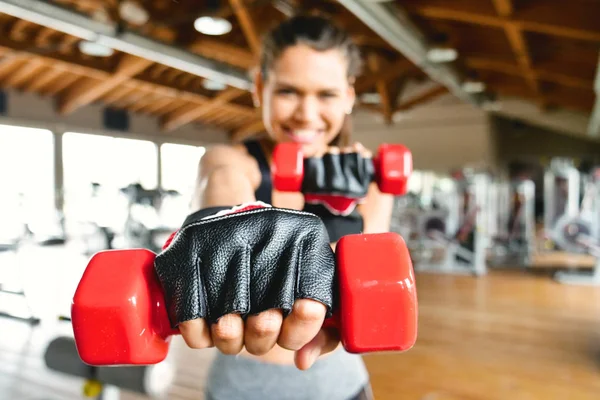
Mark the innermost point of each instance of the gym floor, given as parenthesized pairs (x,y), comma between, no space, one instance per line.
(508,335)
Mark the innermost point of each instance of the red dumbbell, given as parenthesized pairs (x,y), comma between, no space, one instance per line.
(392,164)
(119,316)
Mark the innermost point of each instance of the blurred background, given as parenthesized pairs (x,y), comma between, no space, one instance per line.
(107,106)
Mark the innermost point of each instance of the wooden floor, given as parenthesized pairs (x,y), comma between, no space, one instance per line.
(508,335)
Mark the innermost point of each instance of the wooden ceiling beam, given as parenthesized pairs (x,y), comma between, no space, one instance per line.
(227,53)
(541,74)
(504,8)
(87,93)
(421,98)
(393,71)
(377,66)
(17,51)
(245,20)
(184,116)
(23,74)
(443,13)
(247,131)
(47,77)
(517,41)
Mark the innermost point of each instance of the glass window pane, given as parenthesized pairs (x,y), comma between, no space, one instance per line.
(27,170)
(113,163)
(180,167)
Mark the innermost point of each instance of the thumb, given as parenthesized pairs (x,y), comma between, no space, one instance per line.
(326,341)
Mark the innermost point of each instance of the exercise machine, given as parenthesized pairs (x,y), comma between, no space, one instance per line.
(108,383)
(454,235)
(512,212)
(562,184)
(13,231)
(146,226)
(580,233)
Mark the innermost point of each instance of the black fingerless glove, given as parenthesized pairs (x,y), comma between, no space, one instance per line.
(245,260)
(344,174)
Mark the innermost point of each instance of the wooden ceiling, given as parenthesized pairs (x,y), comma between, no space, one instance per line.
(542,50)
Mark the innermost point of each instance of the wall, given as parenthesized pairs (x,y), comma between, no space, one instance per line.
(31,110)
(519,141)
(442,134)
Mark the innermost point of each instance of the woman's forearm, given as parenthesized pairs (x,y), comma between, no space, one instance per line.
(224,186)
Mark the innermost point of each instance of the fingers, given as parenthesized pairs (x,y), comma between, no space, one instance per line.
(302,325)
(228,334)
(355,148)
(196,334)
(262,331)
(326,341)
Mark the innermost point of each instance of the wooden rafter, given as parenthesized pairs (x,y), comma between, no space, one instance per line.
(377,66)
(421,98)
(249,130)
(516,38)
(245,20)
(85,94)
(227,53)
(182,117)
(393,71)
(76,69)
(541,74)
(449,14)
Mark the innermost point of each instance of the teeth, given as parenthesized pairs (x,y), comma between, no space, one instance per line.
(304,133)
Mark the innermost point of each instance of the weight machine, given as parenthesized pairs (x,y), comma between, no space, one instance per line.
(107,383)
(457,230)
(512,220)
(13,232)
(579,232)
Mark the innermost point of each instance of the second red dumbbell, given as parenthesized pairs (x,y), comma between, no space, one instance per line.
(392,165)
(119,315)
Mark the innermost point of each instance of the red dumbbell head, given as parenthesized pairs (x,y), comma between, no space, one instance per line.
(118,314)
(394,166)
(288,167)
(378,308)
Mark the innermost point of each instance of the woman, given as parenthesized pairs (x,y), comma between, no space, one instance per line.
(305,90)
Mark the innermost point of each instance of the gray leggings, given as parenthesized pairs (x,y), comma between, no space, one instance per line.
(365,394)
(339,376)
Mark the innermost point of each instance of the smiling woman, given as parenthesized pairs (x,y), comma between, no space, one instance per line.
(305,90)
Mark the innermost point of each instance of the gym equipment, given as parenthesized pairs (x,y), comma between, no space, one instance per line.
(107,383)
(10,259)
(119,317)
(99,228)
(512,223)
(561,193)
(458,229)
(145,227)
(13,232)
(580,233)
(392,166)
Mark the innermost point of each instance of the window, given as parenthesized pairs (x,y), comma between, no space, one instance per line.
(180,167)
(113,163)
(27,165)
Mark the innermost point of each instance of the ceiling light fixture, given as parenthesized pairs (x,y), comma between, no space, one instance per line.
(473,86)
(212,26)
(213,85)
(133,13)
(440,55)
(95,49)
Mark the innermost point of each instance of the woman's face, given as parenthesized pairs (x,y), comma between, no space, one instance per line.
(306,97)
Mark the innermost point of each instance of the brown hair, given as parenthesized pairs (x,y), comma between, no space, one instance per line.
(320,34)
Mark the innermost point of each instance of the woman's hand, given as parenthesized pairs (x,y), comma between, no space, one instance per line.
(301,332)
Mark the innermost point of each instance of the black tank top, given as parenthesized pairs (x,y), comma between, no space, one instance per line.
(337,226)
